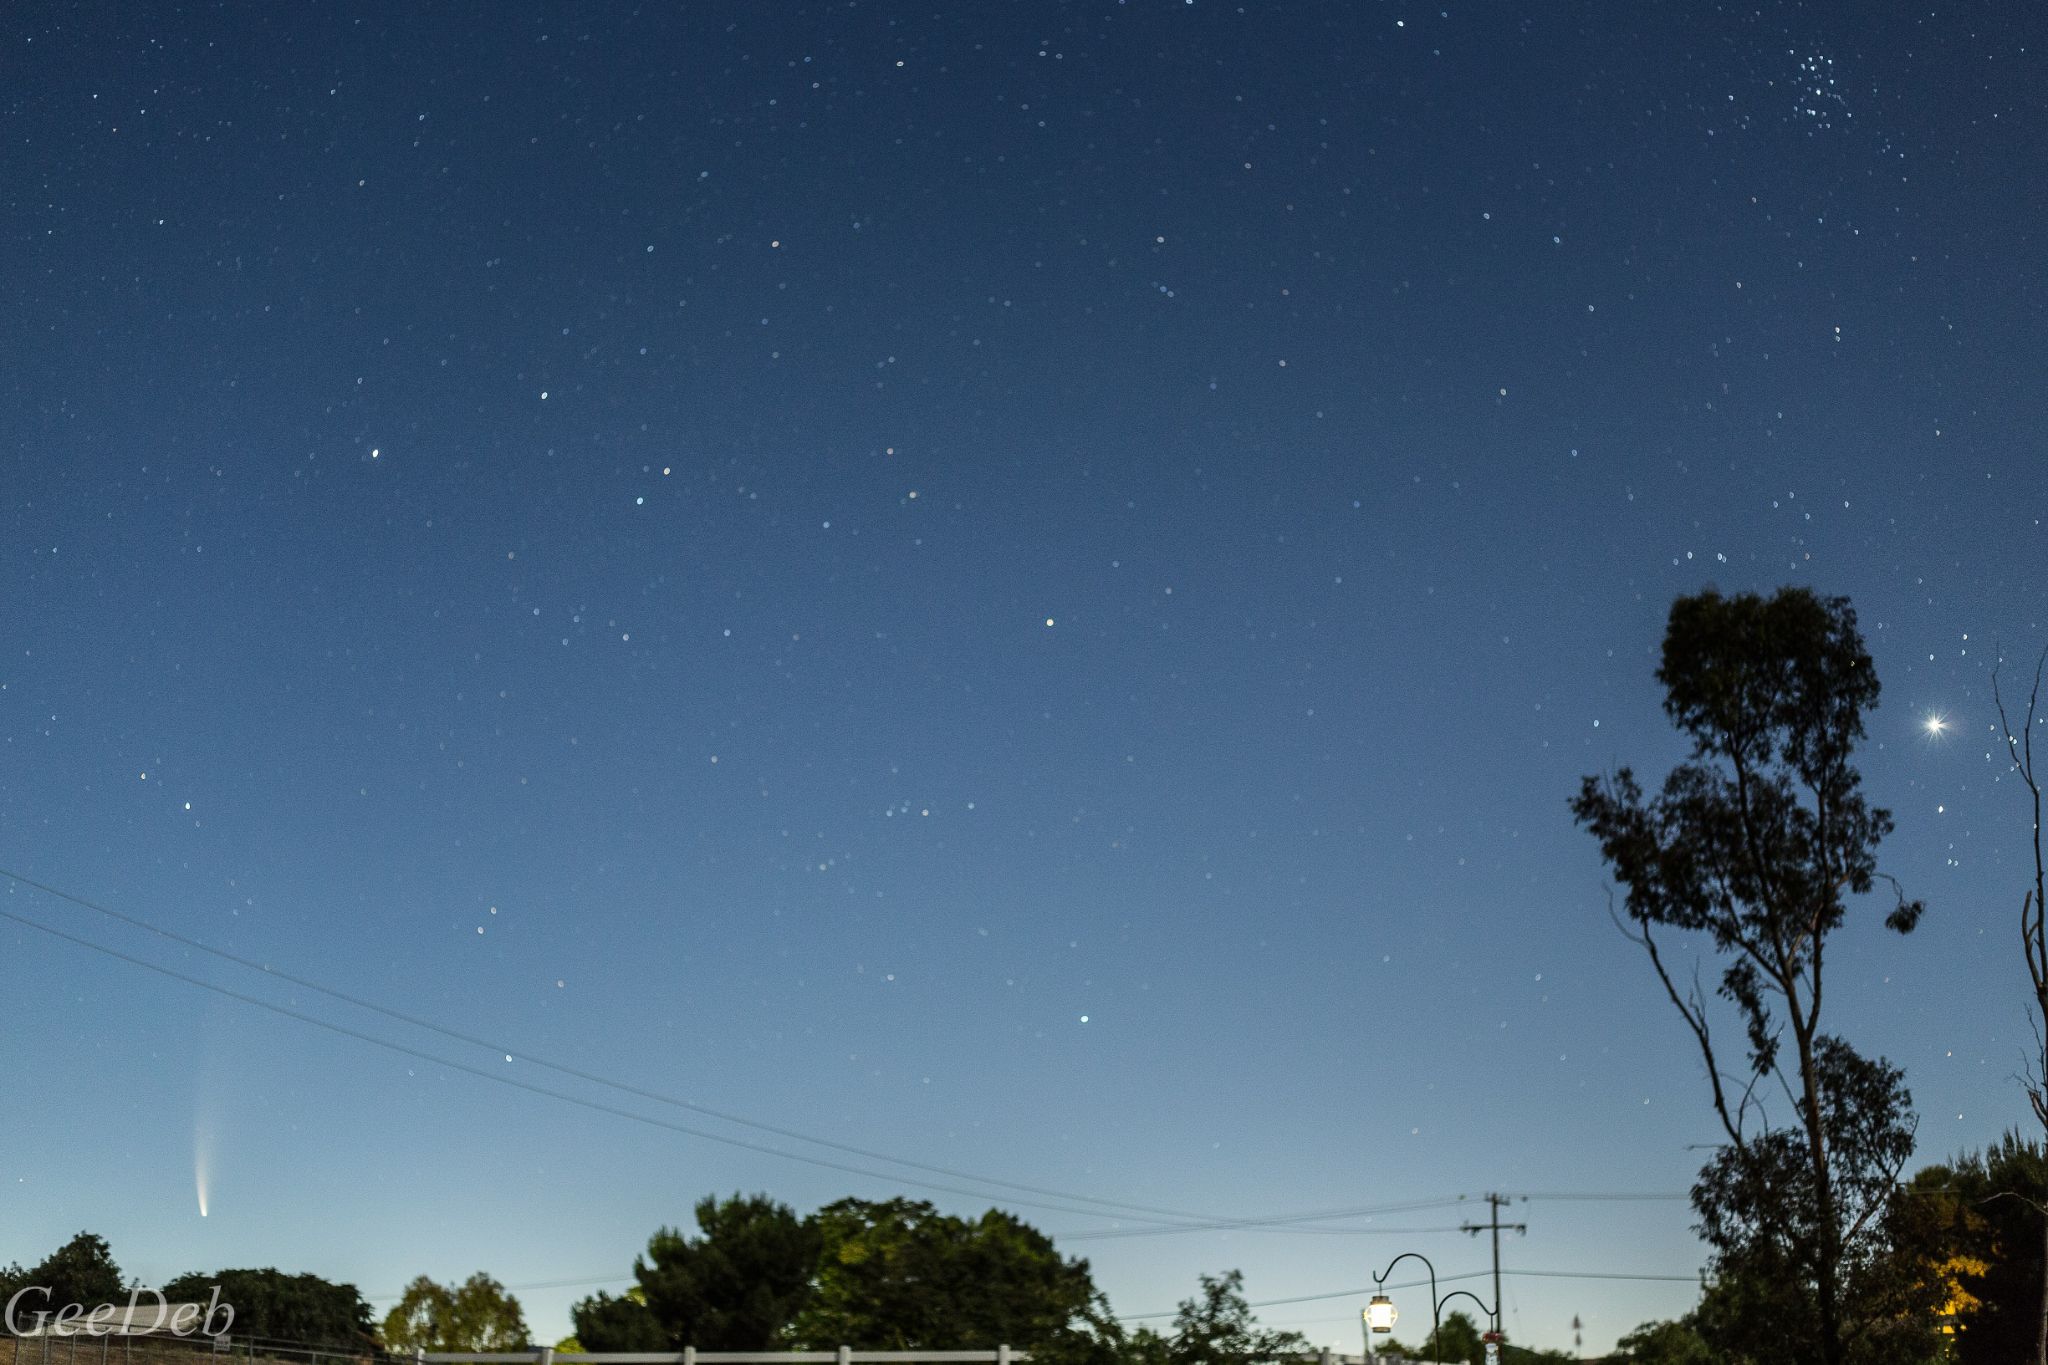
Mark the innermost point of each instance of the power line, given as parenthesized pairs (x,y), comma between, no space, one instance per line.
(1246,1225)
(1610,1196)
(594,1078)
(1282,1222)
(1441,1279)
(565,1069)
(1315,1298)
(596,1105)
(1207,1222)
(1285,1223)
(1292,1222)
(1272,1220)
(587,1282)
(1599,1275)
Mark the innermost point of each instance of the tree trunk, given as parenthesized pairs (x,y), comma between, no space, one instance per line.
(1828,1252)
(1830,1309)
(2041,1328)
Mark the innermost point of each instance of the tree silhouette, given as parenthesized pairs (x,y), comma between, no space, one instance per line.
(1753,843)
(2034,941)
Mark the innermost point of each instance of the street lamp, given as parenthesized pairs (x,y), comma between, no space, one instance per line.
(1380,1314)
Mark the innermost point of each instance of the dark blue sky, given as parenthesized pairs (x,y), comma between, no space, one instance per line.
(1021,587)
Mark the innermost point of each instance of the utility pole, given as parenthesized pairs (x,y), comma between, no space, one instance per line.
(1493,1224)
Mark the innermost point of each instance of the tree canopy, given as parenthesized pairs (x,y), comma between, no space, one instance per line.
(82,1271)
(476,1315)
(1216,1327)
(1455,1341)
(1213,1327)
(898,1274)
(269,1303)
(1753,844)
(737,1286)
(1663,1343)
(607,1323)
(1974,1228)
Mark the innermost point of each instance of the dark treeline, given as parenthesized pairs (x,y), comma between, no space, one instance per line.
(1753,853)
(894,1274)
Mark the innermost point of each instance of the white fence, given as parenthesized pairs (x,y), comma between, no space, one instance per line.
(690,1355)
(845,1355)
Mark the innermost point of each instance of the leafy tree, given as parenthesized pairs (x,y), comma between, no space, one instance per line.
(2034,938)
(1457,1338)
(270,1303)
(1511,1354)
(82,1271)
(737,1286)
(1216,1327)
(605,1323)
(900,1275)
(892,1275)
(476,1315)
(1974,1226)
(1753,842)
(1663,1343)
(1095,1337)
(421,1319)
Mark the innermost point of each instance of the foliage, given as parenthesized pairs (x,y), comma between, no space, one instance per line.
(270,1303)
(1216,1327)
(1663,1343)
(82,1271)
(1096,1338)
(899,1275)
(1976,1226)
(1752,842)
(605,1323)
(1457,1339)
(476,1315)
(1460,1340)
(736,1287)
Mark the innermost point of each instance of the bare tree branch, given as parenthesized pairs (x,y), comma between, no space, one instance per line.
(2033,934)
(1694,1012)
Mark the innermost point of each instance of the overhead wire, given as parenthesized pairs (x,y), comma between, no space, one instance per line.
(583,1282)
(1333,1294)
(1195,1221)
(1187,1221)
(1609,1196)
(1420,1284)
(578,1073)
(1291,1223)
(1117,1234)
(581,1101)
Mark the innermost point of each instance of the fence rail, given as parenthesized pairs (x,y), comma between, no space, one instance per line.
(161,1348)
(690,1355)
(845,1355)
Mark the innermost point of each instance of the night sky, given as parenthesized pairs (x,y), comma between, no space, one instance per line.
(1017,587)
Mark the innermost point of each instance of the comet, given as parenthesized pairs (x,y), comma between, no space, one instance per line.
(202,1164)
